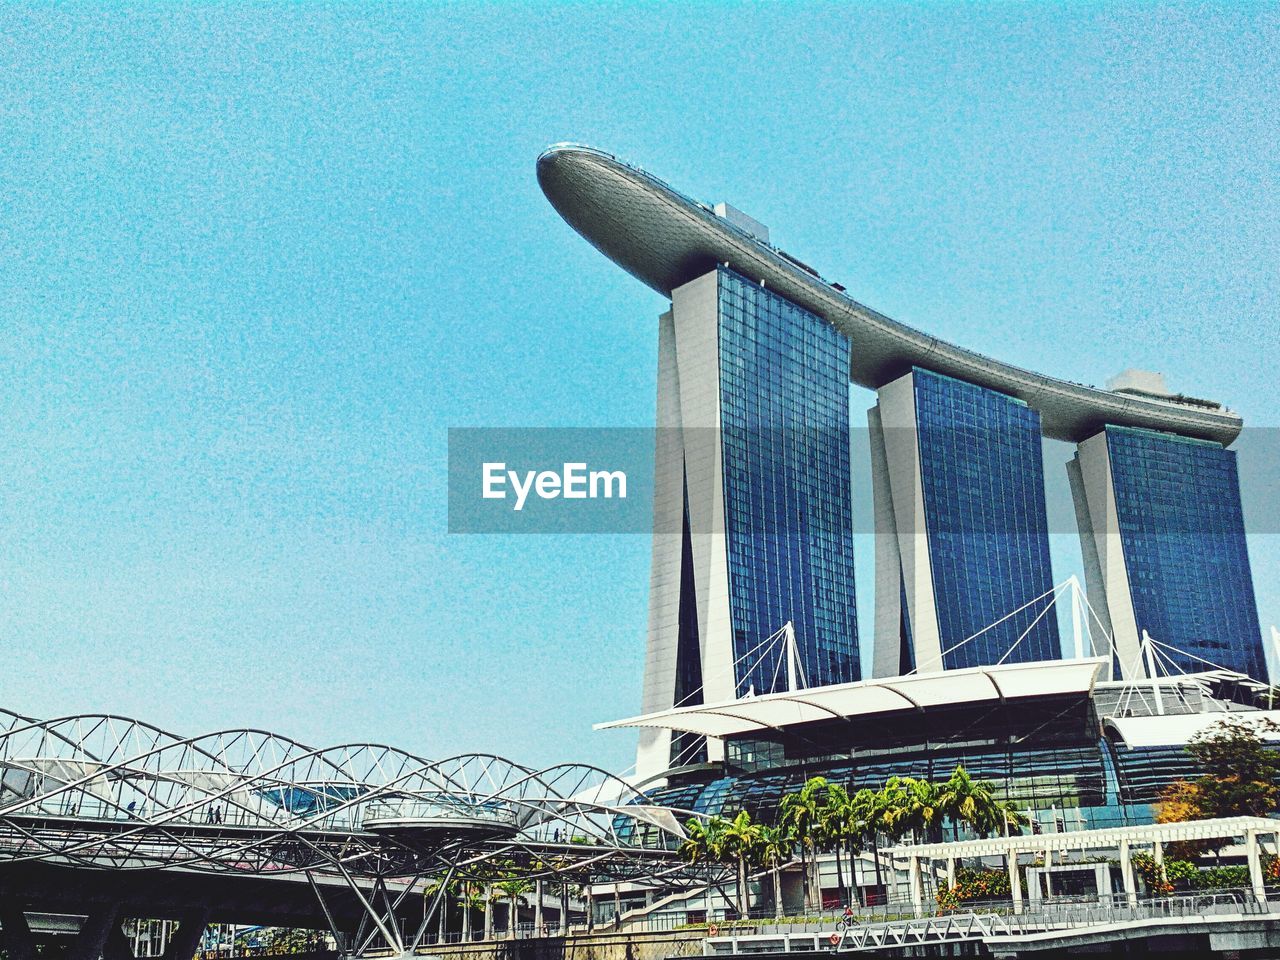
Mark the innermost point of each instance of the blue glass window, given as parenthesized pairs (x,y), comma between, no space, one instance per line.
(1182,531)
(982,471)
(784,408)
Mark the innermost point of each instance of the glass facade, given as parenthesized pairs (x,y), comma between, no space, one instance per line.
(1082,783)
(1182,531)
(784,410)
(982,476)
(1044,755)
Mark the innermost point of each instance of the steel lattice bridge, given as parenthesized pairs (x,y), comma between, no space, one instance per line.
(108,817)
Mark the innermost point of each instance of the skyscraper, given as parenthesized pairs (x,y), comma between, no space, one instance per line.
(752,507)
(1163,537)
(754,511)
(962,538)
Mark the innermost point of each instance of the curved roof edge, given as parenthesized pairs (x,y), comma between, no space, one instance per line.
(666,239)
(861,698)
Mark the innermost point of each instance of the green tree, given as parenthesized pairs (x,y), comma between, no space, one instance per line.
(739,843)
(776,851)
(801,816)
(513,889)
(973,803)
(1240,770)
(833,818)
(470,897)
(861,827)
(701,839)
(922,810)
(893,808)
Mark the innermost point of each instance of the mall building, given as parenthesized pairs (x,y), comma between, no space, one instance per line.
(752,679)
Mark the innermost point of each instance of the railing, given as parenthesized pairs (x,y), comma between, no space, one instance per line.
(978,921)
(247,808)
(375,812)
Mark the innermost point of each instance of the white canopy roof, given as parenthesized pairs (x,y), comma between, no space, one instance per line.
(1092,839)
(775,711)
(1160,731)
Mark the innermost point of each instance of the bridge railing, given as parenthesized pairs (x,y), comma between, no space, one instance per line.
(980,921)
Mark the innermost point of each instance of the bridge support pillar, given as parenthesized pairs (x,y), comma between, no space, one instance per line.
(1255,866)
(185,940)
(1015,881)
(916,881)
(94,933)
(16,936)
(1126,874)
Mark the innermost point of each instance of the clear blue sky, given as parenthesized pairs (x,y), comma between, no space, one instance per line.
(255,260)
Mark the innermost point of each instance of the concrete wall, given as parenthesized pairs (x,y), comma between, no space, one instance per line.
(654,752)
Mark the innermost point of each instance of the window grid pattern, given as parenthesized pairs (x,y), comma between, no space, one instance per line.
(784,408)
(1076,781)
(982,471)
(1182,532)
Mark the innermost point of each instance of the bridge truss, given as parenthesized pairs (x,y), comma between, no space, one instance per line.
(106,793)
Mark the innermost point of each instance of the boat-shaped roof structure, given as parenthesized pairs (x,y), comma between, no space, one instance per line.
(665,239)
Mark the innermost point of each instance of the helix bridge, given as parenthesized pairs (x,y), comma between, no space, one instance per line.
(363,825)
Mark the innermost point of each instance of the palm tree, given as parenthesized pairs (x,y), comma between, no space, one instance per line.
(922,811)
(801,816)
(834,818)
(968,801)
(890,814)
(701,839)
(973,802)
(471,896)
(429,894)
(891,808)
(776,851)
(1011,817)
(513,888)
(862,807)
(739,841)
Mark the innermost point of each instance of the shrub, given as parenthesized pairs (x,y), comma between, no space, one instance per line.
(1175,870)
(973,885)
(1153,873)
(1216,878)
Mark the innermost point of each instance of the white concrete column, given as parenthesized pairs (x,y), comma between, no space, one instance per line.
(1157,853)
(917,882)
(1126,873)
(1255,865)
(897,405)
(951,871)
(1015,881)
